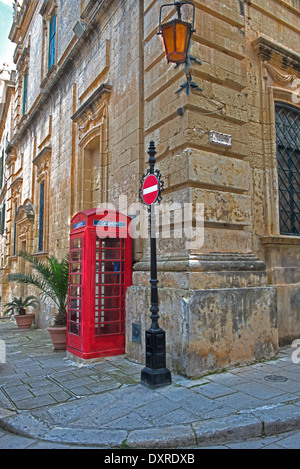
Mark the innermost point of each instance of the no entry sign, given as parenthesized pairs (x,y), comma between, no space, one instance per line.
(150,189)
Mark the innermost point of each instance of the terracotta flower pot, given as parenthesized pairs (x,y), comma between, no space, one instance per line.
(58,336)
(24,321)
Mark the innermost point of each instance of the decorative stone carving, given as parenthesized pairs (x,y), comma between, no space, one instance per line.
(93,110)
(23,62)
(42,163)
(276,54)
(25,212)
(47,7)
(24,222)
(278,77)
(11,155)
(16,186)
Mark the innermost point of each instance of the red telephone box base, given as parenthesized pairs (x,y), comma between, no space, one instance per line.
(72,353)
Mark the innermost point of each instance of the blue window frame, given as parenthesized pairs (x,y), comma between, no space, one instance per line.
(1,169)
(3,219)
(15,230)
(52,42)
(25,87)
(41,216)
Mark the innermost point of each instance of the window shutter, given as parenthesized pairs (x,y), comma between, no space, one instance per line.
(1,169)
(25,86)
(52,41)
(3,219)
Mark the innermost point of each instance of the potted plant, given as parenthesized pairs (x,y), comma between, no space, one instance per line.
(52,279)
(23,320)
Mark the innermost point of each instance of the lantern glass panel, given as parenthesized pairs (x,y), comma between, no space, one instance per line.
(181,37)
(176,35)
(168,36)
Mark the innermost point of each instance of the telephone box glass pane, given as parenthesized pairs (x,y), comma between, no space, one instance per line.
(76,243)
(75,291)
(75,303)
(75,279)
(76,256)
(75,267)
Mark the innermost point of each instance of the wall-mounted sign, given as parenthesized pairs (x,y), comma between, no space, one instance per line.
(220,139)
(150,189)
(136,333)
(80,224)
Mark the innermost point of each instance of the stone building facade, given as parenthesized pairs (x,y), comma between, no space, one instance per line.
(92,88)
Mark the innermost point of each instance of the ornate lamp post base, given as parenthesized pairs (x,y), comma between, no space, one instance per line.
(154,379)
(155,374)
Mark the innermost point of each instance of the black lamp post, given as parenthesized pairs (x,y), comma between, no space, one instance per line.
(155,374)
(176,36)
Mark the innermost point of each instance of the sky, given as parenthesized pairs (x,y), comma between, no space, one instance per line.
(6,46)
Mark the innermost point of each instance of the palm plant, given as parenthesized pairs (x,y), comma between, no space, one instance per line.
(52,279)
(20,305)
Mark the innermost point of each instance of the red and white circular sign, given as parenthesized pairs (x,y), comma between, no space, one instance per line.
(150,189)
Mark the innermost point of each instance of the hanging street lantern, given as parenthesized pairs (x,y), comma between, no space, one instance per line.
(177,34)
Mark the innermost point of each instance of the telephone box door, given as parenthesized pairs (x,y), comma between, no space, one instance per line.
(109,292)
(74,332)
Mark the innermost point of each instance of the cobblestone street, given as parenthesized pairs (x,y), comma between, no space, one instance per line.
(47,400)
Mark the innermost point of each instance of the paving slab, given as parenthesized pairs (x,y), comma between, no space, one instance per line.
(87,436)
(170,437)
(227,428)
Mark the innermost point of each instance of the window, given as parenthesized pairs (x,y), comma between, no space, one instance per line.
(1,168)
(2,228)
(287,119)
(25,87)
(52,41)
(49,12)
(41,216)
(41,199)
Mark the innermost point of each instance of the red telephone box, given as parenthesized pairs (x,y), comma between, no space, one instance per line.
(100,272)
